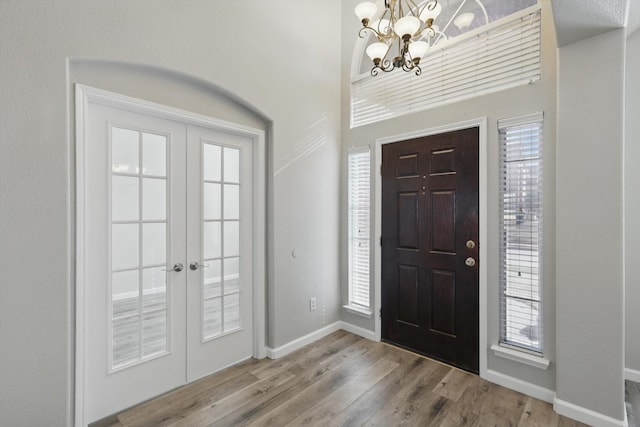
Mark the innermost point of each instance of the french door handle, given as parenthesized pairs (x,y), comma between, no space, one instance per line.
(178,267)
(196,265)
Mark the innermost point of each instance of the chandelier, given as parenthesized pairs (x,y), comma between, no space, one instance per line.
(404,28)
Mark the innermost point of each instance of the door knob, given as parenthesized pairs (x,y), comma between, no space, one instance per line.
(177,268)
(196,265)
(470,262)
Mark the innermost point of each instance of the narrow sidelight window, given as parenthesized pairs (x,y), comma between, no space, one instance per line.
(521,232)
(359,185)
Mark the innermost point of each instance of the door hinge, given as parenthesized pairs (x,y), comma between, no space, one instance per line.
(380,312)
(380,169)
(380,241)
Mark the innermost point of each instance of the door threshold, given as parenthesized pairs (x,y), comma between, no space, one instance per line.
(427,356)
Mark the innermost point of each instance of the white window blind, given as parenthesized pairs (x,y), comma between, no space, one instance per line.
(476,63)
(521,231)
(359,226)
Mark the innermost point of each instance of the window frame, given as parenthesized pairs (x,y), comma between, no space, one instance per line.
(521,146)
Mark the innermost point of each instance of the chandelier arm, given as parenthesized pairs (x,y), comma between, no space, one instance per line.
(386,62)
(414,9)
(427,31)
(362,33)
(388,15)
(408,64)
(397,4)
(387,11)
(417,69)
(428,5)
(385,66)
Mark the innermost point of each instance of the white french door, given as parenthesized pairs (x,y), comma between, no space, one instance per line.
(165,255)
(219,250)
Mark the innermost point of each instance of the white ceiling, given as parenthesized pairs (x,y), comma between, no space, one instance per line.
(579,19)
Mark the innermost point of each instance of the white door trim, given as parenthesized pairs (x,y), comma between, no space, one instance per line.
(85,95)
(481,123)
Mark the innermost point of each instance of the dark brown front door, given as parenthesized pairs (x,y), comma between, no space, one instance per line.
(430,246)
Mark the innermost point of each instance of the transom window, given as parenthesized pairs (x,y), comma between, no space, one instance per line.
(499,50)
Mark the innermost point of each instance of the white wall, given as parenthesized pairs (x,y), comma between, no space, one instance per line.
(589,233)
(540,96)
(632,205)
(286,73)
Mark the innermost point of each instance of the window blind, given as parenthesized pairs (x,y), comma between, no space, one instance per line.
(359,185)
(521,231)
(479,62)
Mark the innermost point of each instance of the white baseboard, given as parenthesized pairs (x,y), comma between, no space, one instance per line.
(562,407)
(586,416)
(283,350)
(632,375)
(520,386)
(357,330)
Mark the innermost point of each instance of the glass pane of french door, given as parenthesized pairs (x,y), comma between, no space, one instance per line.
(221,240)
(138,246)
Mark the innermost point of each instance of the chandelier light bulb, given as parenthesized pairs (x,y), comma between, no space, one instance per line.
(365,11)
(377,51)
(408,25)
(417,50)
(431,11)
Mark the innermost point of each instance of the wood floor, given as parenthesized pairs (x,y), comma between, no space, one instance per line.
(342,380)
(632,402)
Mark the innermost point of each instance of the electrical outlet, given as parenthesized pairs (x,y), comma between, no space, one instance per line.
(312,304)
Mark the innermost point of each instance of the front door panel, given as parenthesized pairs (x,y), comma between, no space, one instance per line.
(429,212)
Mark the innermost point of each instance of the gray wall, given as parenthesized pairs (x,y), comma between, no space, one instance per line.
(540,96)
(632,203)
(186,49)
(287,76)
(589,234)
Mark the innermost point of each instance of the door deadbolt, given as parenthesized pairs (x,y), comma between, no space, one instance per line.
(470,262)
(471,244)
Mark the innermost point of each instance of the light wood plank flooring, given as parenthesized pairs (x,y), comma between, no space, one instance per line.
(632,402)
(342,380)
